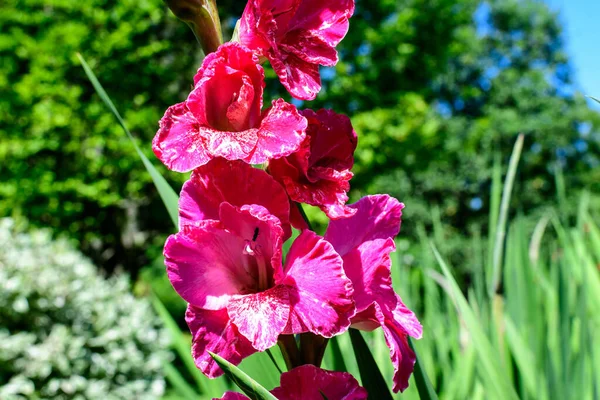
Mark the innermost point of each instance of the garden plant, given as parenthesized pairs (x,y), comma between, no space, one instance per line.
(263,288)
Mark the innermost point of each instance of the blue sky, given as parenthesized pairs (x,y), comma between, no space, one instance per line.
(581,22)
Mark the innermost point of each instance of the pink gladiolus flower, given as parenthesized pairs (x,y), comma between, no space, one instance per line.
(222,116)
(240,296)
(308,382)
(365,242)
(296,36)
(234,182)
(319,172)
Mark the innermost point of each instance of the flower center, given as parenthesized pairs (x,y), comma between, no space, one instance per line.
(253,249)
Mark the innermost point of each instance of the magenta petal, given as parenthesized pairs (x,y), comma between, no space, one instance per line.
(308,382)
(234,182)
(261,317)
(403,358)
(213,331)
(280,134)
(205,265)
(368,267)
(325,19)
(178,143)
(315,275)
(377,217)
(230,145)
(233,396)
(300,78)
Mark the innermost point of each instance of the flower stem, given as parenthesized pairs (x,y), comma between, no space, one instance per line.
(289,350)
(312,348)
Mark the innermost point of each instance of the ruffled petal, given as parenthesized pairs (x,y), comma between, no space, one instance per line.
(261,317)
(230,145)
(280,134)
(205,265)
(299,77)
(324,19)
(377,217)
(178,143)
(308,382)
(234,182)
(213,331)
(320,292)
(368,267)
(233,396)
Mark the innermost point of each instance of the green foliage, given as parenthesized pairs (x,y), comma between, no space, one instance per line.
(66,163)
(68,333)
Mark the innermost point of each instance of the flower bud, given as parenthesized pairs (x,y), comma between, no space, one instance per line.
(202,16)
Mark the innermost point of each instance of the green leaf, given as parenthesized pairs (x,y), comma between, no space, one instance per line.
(424,387)
(179,383)
(491,369)
(503,216)
(371,376)
(248,385)
(166,192)
(212,387)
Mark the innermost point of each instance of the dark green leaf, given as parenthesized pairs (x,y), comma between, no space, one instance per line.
(371,376)
(426,391)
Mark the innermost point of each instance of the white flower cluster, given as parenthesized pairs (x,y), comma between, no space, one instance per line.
(67,333)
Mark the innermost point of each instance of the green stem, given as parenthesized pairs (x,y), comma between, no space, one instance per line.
(289,350)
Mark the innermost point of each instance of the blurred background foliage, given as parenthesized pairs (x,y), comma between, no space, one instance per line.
(67,333)
(436,89)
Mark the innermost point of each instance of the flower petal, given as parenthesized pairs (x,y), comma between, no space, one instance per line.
(280,134)
(300,78)
(308,382)
(327,20)
(320,292)
(178,143)
(368,267)
(261,317)
(234,182)
(205,265)
(233,396)
(377,217)
(213,331)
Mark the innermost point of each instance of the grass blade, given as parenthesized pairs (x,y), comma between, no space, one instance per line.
(179,383)
(424,387)
(166,192)
(489,359)
(248,385)
(503,216)
(371,376)
(182,347)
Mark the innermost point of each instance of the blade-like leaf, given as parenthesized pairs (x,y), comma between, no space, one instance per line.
(248,385)
(503,216)
(491,369)
(595,99)
(182,347)
(424,387)
(166,192)
(371,376)
(179,383)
